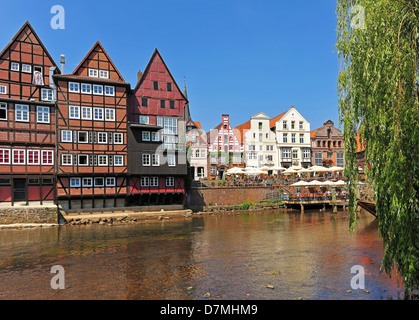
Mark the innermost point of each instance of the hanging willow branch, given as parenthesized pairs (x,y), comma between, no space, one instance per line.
(378,96)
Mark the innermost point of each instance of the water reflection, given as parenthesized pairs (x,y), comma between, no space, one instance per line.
(230,256)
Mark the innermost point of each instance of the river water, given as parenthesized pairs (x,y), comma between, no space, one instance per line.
(235,257)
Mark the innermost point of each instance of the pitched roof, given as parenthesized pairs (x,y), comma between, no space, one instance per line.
(313,133)
(273,121)
(241,131)
(198,124)
(28,25)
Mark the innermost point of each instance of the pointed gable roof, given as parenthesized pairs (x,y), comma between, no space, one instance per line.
(156,54)
(241,130)
(94,59)
(25,33)
(276,119)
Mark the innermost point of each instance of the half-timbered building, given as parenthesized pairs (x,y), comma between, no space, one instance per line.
(92,133)
(157,164)
(27,120)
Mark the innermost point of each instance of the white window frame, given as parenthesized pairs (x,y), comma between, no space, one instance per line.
(26,68)
(3,89)
(86,113)
(94,114)
(65,162)
(145,181)
(83,88)
(102,138)
(42,157)
(99,185)
(74,84)
(118,163)
(4,107)
(45,115)
(118,138)
(146,160)
(102,160)
(65,134)
(78,160)
(24,157)
(87,182)
(146,135)
(110,181)
(74,112)
(155,160)
(98,92)
(155,136)
(10,156)
(145,118)
(21,113)
(35,152)
(46,94)
(75,183)
(170,182)
(171,160)
(93,73)
(109,112)
(104,74)
(14,66)
(154,181)
(111,93)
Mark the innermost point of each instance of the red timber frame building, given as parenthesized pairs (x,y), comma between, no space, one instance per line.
(156,138)
(92,134)
(27,120)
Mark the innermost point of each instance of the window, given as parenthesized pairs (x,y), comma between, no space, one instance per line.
(3,111)
(3,89)
(286,153)
(97,89)
(99,182)
(340,161)
(260,137)
(203,153)
(93,73)
(284,138)
(109,91)
(170,182)
(159,121)
(73,87)
(110,181)
(252,156)
(4,156)
(154,181)
(295,154)
(196,153)
(155,160)
(74,112)
(46,94)
(284,125)
(171,160)
(98,114)
(292,125)
(18,156)
(306,154)
(102,137)
(83,160)
(86,113)
(33,157)
(47,157)
(104,74)
(47,181)
(329,155)
(109,114)
(27,68)
(37,76)
(14,66)
(301,138)
(22,113)
(146,160)
(118,138)
(67,159)
(66,136)
(172,104)
(269,148)
(144,120)
(155,85)
(170,125)
(86,88)
(260,126)
(75,182)
(155,136)
(169,86)
(102,160)
(301,125)
(269,158)
(42,114)
(252,148)
(118,160)
(145,181)
(163,104)
(170,142)
(144,102)
(87,182)
(318,158)
(293,138)
(146,135)
(33,182)
(213,158)
(83,137)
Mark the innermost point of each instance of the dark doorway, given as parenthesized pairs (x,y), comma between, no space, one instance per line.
(19,189)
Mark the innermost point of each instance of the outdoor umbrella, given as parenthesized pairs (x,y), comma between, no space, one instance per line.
(300,184)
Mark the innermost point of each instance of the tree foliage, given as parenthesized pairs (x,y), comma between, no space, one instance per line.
(378,95)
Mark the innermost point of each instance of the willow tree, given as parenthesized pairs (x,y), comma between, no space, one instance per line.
(378,96)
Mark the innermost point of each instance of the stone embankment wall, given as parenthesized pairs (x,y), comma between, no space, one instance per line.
(11,215)
(198,198)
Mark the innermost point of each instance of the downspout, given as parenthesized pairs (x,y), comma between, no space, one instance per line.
(54,100)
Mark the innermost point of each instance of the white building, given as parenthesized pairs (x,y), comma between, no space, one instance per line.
(292,139)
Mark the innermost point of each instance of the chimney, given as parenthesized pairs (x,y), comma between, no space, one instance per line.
(62,61)
(139,75)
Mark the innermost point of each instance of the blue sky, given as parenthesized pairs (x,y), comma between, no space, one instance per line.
(239,57)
